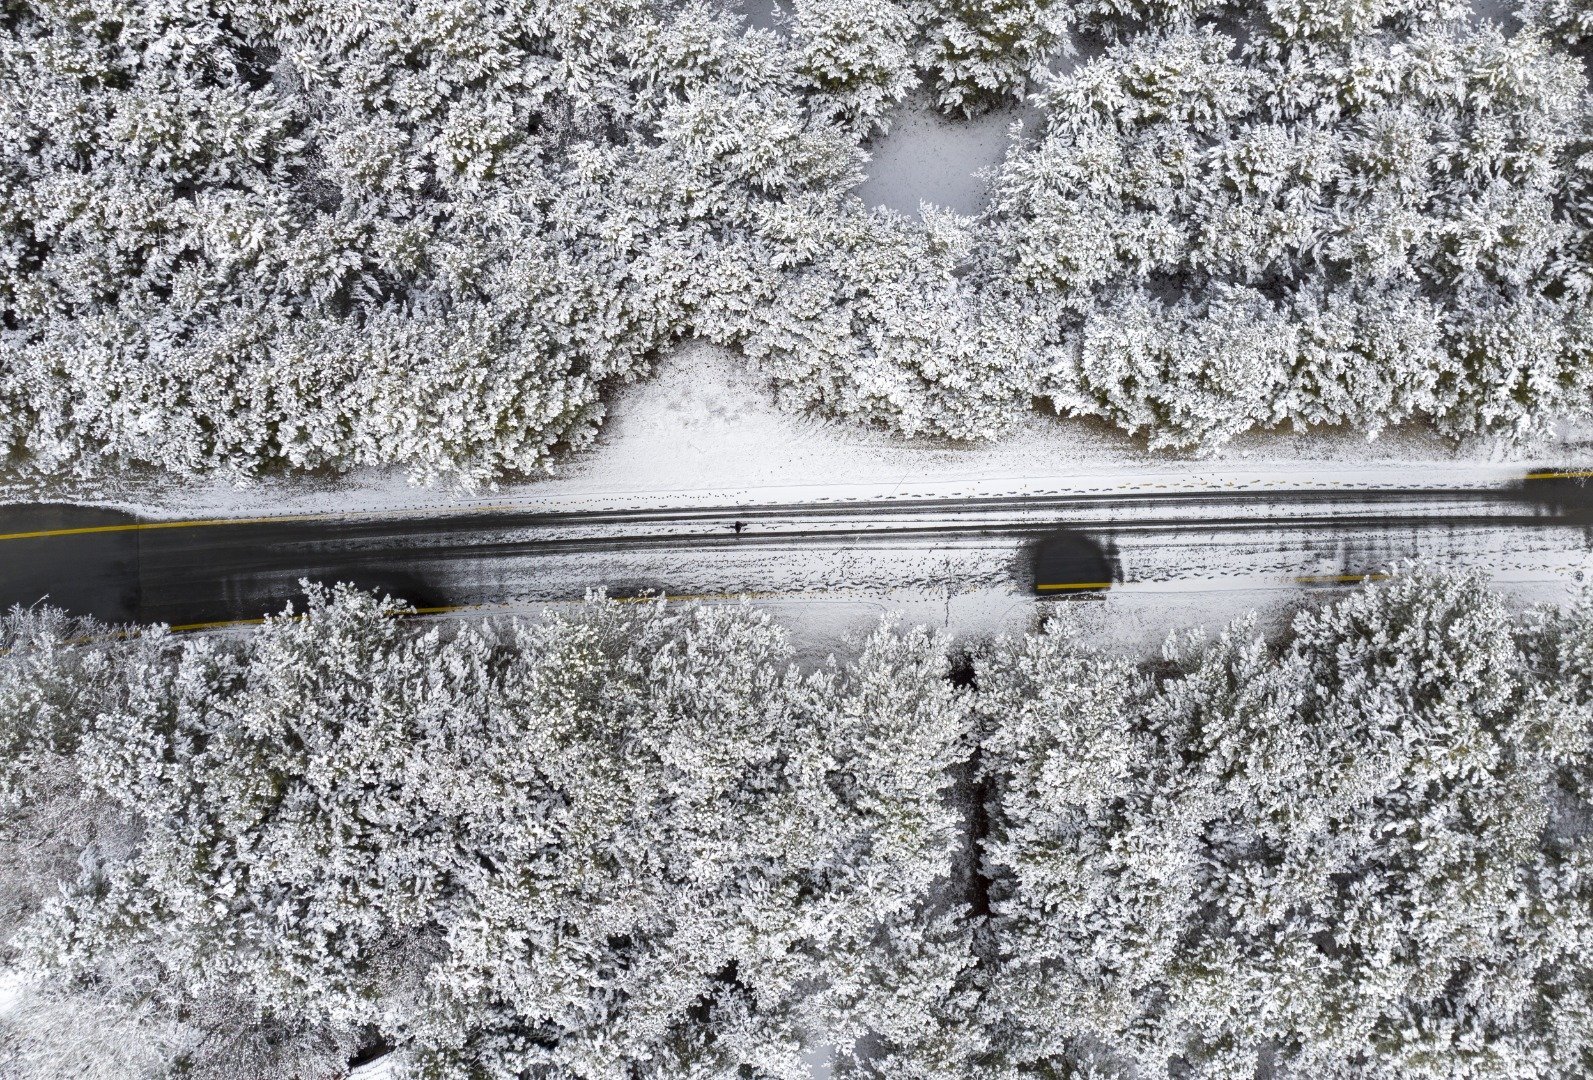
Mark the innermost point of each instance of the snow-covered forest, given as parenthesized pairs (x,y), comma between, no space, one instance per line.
(300,234)
(637,840)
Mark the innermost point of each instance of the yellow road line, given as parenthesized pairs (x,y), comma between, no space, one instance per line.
(453,511)
(206,523)
(217,625)
(221,623)
(680,598)
(1309,579)
(1075,585)
(84,530)
(687,598)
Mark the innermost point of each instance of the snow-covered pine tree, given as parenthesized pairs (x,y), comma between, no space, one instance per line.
(631,839)
(1399,161)
(636,839)
(1569,20)
(418,233)
(57,675)
(1350,854)
(856,56)
(983,53)
(867,316)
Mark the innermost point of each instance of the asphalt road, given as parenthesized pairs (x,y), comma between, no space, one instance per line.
(119,568)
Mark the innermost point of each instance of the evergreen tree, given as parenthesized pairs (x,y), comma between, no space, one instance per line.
(1352,854)
(635,840)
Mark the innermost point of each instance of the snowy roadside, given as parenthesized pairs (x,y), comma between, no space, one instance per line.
(703,430)
(383,1068)
(10,990)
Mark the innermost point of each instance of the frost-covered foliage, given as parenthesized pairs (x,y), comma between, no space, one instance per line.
(878,325)
(635,841)
(980,53)
(49,1035)
(56,676)
(856,55)
(1361,853)
(296,234)
(1320,213)
(1571,20)
(422,232)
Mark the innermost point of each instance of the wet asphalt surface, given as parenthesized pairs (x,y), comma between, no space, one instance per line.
(191,574)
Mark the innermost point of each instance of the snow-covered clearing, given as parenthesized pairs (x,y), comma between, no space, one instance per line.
(703,430)
(765,14)
(929,158)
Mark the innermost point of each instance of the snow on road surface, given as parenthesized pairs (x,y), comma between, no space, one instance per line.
(383,1068)
(704,432)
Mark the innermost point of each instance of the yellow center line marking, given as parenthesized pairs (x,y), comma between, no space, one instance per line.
(143,526)
(216,625)
(259,621)
(689,598)
(462,511)
(444,609)
(1075,585)
(1313,578)
(207,523)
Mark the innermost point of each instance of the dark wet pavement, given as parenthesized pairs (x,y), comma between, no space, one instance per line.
(108,564)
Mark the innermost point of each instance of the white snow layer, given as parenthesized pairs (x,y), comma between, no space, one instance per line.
(928,158)
(704,430)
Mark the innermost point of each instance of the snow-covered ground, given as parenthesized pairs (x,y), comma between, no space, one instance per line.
(766,14)
(704,430)
(383,1068)
(830,594)
(928,158)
